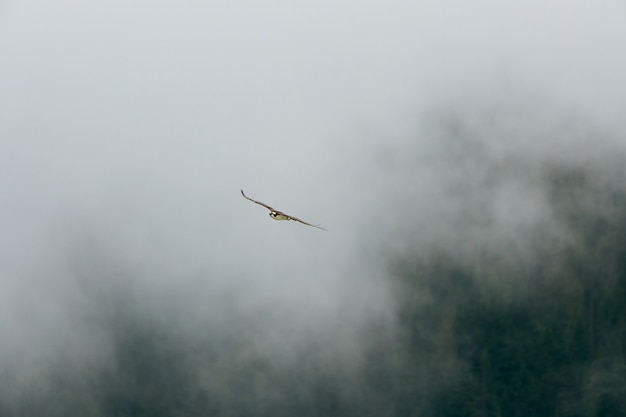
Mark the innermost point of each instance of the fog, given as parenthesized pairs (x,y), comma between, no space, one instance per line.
(132,272)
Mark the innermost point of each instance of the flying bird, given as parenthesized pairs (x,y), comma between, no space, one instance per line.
(279,215)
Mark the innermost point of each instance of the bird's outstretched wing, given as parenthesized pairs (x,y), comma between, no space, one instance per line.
(257,202)
(303,222)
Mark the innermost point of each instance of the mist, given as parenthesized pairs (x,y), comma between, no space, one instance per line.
(468,163)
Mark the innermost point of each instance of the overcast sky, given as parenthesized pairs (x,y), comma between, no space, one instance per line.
(127,130)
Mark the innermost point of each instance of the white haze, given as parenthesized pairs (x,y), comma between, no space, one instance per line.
(127,130)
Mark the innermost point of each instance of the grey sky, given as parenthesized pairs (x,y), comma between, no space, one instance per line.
(135,124)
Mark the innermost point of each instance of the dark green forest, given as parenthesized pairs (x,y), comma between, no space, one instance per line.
(488,330)
(548,340)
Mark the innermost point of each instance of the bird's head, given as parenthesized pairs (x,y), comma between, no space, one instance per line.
(273,214)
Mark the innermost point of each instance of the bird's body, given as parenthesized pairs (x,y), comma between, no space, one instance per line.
(279,215)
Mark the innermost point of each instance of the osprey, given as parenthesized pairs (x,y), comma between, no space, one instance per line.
(279,215)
